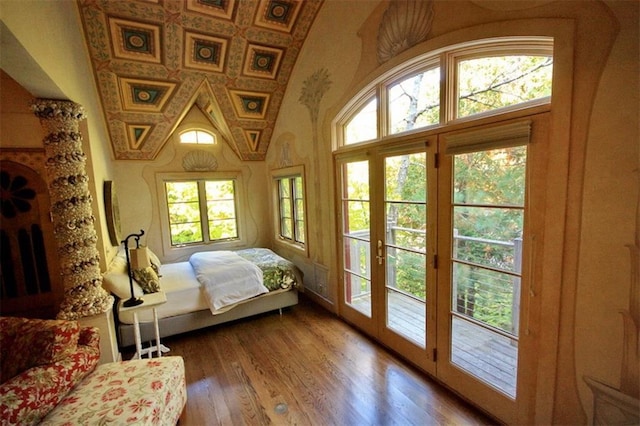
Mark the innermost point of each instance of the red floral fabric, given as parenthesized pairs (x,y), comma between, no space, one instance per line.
(141,392)
(26,398)
(27,343)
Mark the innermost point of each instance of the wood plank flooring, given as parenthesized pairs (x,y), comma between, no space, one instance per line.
(306,367)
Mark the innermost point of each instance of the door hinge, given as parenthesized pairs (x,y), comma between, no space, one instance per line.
(436,160)
(435,261)
(434,355)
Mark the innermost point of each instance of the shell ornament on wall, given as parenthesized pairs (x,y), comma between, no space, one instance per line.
(199,161)
(405,23)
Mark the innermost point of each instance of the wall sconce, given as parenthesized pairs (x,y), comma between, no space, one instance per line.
(139,259)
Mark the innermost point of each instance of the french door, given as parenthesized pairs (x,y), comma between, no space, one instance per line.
(388,214)
(439,263)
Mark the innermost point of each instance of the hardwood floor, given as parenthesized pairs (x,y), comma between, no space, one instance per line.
(306,367)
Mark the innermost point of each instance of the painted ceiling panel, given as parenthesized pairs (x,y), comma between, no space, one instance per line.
(154,59)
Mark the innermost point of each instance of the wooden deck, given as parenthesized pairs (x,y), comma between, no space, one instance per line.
(487,355)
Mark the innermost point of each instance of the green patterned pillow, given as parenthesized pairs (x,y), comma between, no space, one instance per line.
(148,279)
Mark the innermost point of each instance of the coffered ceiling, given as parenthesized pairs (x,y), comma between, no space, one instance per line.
(155,59)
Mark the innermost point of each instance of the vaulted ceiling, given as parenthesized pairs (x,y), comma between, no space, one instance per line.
(153,60)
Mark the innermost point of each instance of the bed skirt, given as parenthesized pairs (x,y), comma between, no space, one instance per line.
(195,320)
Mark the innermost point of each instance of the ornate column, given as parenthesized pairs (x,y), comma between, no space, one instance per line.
(71,209)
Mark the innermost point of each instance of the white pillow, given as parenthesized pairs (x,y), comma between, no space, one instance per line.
(116,279)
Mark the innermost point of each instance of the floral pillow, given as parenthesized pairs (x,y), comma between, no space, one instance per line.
(35,342)
(147,278)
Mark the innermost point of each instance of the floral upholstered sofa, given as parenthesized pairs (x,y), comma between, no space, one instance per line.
(49,375)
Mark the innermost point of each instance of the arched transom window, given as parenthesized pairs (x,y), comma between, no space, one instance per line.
(473,80)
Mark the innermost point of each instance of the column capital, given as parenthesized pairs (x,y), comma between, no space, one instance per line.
(56,109)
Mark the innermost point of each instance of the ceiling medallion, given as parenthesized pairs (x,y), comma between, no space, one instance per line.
(204,52)
(135,40)
(278,14)
(144,95)
(218,8)
(262,61)
(251,105)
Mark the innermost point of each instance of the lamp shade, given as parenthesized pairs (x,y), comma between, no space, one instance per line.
(139,258)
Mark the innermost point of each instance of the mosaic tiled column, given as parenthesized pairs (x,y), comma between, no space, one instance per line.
(73,220)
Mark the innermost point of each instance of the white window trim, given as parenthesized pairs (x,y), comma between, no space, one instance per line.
(188,249)
(277,174)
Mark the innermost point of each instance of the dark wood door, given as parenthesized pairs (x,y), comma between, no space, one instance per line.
(30,281)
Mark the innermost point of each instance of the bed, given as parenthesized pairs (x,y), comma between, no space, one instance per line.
(192,288)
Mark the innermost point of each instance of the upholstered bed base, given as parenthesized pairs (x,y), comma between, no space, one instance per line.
(201,319)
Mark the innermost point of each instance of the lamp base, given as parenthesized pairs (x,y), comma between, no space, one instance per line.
(134,301)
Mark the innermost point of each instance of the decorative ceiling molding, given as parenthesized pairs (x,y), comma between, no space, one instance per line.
(154,60)
(204,52)
(137,134)
(279,15)
(249,105)
(253,138)
(144,95)
(135,41)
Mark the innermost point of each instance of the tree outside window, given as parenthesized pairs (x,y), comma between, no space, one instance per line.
(201,211)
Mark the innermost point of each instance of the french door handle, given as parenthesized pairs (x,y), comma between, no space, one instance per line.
(379,256)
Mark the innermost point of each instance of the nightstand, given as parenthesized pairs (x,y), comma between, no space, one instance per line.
(151,301)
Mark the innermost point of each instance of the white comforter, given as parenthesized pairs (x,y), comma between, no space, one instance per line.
(226,278)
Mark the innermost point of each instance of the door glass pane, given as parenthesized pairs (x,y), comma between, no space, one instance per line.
(356,235)
(415,102)
(405,245)
(488,216)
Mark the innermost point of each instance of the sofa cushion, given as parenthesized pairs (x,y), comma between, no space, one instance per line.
(28,343)
(28,397)
(141,392)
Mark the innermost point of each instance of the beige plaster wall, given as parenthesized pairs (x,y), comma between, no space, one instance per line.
(609,215)
(136,184)
(19,128)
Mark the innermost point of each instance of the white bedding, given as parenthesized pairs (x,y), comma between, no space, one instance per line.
(226,279)
(183,294)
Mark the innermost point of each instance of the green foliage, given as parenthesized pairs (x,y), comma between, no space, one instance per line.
(183,199)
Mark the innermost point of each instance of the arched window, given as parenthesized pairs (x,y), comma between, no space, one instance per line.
(200,137)
(474,80)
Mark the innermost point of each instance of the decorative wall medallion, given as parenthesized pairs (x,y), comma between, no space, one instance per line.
(277,14)
(313,89)
(218,8)
(135,40)
(15,196)
(199,161)
(251,105)
(144,95)
(204,52)
(262,61)
(405,23)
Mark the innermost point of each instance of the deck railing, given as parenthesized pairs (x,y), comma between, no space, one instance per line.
(469,299)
